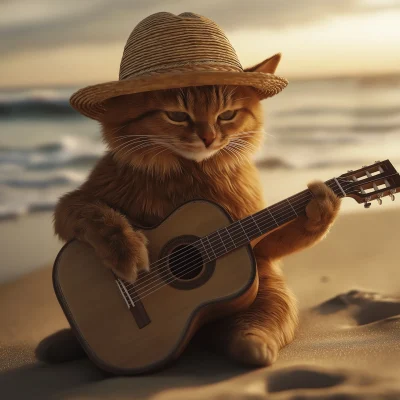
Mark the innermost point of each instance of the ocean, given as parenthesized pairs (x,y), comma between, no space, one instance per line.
(47,149)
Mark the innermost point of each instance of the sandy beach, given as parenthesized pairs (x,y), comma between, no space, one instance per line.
(347,346)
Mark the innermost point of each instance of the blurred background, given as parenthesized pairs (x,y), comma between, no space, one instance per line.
(341,109)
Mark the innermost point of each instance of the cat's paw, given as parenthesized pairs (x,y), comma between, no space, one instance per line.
(252,348)
(121,248)
(322,210)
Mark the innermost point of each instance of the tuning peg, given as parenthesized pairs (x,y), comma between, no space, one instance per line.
(376,162)
(350,170)
(392,192)
(379,201)
(367,205)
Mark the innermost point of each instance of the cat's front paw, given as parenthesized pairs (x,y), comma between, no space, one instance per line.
(252,348)
(121,249)
(322,210)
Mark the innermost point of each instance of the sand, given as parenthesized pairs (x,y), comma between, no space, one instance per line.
(347,345)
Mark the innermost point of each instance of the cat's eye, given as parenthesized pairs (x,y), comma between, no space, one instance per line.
(177,116)
(227,115)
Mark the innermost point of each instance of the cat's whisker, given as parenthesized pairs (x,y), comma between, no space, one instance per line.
(125,144)
(161,151)
(129,149)
(167,142)
(231,151)
(241,149)
(127,139)
(117,129)
(234,148)
(232,91)
(152,149)
(248,133)
(241,140)
(126,152)
(121,137)
(245,143)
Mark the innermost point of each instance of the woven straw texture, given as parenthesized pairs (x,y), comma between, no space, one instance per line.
(166,51)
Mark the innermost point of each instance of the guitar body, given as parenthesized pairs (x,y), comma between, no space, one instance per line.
(168,308)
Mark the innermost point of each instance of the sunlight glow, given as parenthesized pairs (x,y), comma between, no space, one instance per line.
(345,45)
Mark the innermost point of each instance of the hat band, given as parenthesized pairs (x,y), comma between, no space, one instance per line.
(183,66)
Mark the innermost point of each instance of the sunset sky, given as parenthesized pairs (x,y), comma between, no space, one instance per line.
(78,42)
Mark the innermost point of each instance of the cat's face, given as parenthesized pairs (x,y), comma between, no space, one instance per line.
(196,123)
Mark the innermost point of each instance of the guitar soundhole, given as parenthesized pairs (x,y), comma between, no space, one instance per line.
(185,262)
(185,269)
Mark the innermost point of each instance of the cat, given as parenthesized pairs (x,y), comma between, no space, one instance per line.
(168,147)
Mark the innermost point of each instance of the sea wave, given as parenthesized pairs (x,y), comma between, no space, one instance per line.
(60,178)
(67,151)
(316,125)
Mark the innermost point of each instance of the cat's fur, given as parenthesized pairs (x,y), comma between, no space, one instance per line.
(141,180)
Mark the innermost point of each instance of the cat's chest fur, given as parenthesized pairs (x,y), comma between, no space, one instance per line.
(147,198)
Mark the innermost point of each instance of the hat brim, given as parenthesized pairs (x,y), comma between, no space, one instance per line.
(89,100)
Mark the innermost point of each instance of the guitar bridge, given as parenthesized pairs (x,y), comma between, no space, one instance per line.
(125,294)
(136,306)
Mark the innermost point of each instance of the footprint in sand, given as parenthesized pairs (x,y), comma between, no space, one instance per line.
(317,382)
(303,378)
(370,306)
(305,382)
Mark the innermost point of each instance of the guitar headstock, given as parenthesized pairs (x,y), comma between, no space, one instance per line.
(371,182)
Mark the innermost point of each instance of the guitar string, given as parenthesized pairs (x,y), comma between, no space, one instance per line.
(185,261)
(138,287)
(199,245)
(141,284)
(161,284)
(145,294)
(158,285)
(307,195)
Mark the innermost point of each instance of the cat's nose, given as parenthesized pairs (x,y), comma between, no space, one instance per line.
(207,138)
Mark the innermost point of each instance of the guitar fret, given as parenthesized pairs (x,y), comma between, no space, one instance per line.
(290,204)
(243,230)
(226,239)
(205,250)
(222,240)
(255,222)
(213,239)
(211,246)
(272,216)
(240,237)
(227,231)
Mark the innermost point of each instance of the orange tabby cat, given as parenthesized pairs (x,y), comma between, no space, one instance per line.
(168,147)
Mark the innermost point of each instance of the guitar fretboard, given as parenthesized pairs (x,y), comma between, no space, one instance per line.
(243,231)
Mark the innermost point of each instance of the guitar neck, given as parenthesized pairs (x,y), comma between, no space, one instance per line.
(243,231)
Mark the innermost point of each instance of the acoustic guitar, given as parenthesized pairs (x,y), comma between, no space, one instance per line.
(201,268)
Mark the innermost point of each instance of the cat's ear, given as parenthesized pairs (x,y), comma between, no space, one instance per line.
(267,66)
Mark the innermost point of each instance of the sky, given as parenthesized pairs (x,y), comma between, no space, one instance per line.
(80,42)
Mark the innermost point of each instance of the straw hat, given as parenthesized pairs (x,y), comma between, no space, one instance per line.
(166,51)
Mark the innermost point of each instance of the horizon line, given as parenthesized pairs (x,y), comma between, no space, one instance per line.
(298,78)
